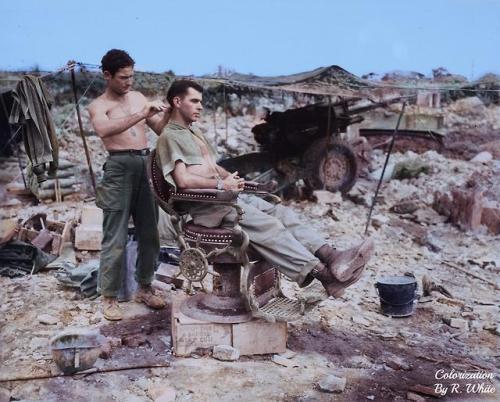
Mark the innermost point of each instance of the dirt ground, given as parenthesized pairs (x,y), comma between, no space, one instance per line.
(381,358)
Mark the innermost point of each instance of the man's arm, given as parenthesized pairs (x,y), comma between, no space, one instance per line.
(223,173)
(106,127)
(185,179)
(157,123)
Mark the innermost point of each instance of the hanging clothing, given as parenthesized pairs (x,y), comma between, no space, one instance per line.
(31,110)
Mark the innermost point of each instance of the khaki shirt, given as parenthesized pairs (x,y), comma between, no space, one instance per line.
(177,143)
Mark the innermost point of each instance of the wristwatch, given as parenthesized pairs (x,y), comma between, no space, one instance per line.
(220,184)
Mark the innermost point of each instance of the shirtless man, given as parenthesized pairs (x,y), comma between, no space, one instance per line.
(119,117)
(276,232)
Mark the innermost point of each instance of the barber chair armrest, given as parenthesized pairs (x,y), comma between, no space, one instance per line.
(263,190)
(256,187)
(207,195)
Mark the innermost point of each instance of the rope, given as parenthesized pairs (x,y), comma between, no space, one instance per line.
(11,139)
(368,85)
(78,103)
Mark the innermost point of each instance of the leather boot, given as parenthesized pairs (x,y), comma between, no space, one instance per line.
(112,310)
(343,264)
(148,296)
(333,286)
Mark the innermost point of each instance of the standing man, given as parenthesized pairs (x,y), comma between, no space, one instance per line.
(119,117)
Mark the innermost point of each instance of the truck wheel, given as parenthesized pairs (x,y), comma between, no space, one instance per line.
(335,170)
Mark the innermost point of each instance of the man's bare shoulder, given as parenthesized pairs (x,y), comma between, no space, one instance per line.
(99,103)
(137,96)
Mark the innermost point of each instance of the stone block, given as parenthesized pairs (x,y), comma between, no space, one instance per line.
(88,237)
(258,337)
(92,215)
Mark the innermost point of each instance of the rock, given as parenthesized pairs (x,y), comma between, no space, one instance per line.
(283,361)
(410,169)
(360,361)
(387,175)
(289,354)
(397,363)
(115,342)
(493,328)
(370,397)
(412,396)
(482,157)
(379,220)
(135,340)
(106,350)
(404,207)
(361,320)
(226,353)
(5,395)
(464,208)
(37,343)
(47,319)
(458,323)
(327,197)
(490,217)
(162,393)
(332,383)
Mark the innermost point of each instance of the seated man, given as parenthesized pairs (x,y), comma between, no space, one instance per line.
(275,232)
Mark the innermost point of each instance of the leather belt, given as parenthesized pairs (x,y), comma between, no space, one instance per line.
(142,152)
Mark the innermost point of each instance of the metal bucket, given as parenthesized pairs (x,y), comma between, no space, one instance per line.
(397,294)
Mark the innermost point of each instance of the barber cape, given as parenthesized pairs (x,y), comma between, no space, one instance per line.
(177,143)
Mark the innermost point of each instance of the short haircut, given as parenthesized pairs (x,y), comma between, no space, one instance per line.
(115,59)
(180,88)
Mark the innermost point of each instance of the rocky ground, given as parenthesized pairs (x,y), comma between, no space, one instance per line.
(381,358)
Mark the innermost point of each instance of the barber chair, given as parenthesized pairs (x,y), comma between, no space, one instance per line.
(244,285)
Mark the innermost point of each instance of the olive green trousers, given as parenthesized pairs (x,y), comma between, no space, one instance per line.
(275,232)
(124,191)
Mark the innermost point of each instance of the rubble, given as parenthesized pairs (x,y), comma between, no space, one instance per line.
(225,353)
(332,384)
(374,352)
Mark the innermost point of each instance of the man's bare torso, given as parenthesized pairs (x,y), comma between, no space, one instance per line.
(128,104)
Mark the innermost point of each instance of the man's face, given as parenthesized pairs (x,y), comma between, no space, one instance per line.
(189,105)
(122,81)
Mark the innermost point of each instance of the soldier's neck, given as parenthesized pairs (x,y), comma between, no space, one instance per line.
(179,119)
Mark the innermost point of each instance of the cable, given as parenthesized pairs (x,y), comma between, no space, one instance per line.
(79,100)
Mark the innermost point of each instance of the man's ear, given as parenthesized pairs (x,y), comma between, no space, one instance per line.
(176,101)
(107,75)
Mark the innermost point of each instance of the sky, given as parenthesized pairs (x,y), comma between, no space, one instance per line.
(263,37)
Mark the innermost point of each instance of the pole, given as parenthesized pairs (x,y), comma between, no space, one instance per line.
(385,165)
(87,153)
(225,108)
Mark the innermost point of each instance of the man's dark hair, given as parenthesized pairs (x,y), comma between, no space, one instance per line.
(180,88)
(115,59)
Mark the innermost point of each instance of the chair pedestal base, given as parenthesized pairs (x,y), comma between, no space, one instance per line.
(216,309)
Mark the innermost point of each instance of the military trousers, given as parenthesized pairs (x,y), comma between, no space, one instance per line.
(124,191)
(275,232)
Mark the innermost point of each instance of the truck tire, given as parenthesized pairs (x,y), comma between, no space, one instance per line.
(335,170)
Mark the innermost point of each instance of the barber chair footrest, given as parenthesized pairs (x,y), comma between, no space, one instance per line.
(283,309)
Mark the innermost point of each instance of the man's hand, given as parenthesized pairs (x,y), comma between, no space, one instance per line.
(234,183)
(152,108)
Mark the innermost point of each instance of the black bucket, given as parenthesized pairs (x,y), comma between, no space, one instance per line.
(397,294)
